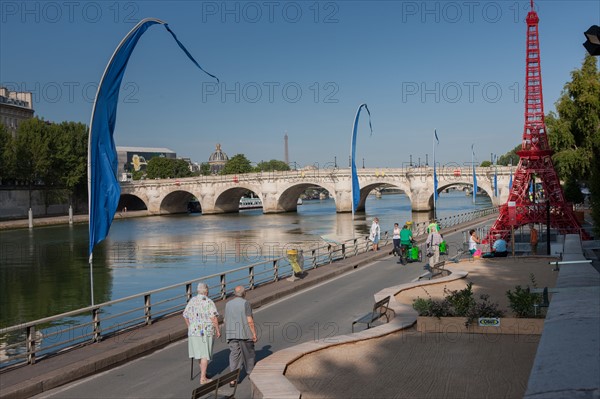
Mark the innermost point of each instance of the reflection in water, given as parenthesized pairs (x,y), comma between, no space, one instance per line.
(45,271)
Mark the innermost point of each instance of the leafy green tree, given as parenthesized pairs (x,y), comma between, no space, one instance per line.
(575,131)
(70,158)
(236,165)
(167,168)
(6,154)
(205,169)
(271,165)
(510,158)
(485,164)
(573,191)
(32,147)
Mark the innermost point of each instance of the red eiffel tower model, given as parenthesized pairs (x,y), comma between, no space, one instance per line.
(535,164)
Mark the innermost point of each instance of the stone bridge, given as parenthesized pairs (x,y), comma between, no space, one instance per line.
(279,191)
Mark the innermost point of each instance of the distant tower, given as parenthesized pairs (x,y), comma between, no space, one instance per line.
(286,155)
(535,164)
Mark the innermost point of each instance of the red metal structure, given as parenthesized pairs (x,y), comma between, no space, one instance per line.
(535,164)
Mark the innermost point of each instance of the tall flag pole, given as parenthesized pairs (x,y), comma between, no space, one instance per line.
(495,175)
(474,174)
(355,185)
(103,187)
(435,179)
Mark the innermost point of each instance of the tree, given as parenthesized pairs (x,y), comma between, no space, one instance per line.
(205,169)
(70,157)
(271,165)
(167,168)
(32,146)
(510,158)
(573,191)
(6,151)
(236,165)
(485,164)
(575,131)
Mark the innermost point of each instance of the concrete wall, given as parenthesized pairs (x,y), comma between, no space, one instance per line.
(14,203)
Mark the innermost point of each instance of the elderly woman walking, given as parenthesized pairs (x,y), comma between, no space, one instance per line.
(200,315)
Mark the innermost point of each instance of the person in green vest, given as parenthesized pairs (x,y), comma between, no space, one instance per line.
(405,242)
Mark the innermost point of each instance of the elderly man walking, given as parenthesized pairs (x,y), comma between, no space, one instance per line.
(240,332)
(433,246)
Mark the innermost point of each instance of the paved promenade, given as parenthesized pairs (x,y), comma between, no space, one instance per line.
(320,306)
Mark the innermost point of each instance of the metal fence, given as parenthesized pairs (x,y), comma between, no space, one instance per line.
(24,343)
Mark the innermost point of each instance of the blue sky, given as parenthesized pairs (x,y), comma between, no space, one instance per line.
(301,67)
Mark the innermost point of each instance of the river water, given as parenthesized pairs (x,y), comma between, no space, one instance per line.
(45,271)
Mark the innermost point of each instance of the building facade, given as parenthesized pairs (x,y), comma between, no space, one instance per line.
(15,107)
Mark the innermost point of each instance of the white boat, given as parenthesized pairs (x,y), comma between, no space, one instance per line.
(250,203)
(256,203)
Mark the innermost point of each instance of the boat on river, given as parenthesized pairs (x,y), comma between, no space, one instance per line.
(250,203)
(256,203)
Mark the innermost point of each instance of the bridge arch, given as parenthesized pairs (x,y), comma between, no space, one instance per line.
(228,200)
(175,202)
(288,200)
(366,190)
(131,202)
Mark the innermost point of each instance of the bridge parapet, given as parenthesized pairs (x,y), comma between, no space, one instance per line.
(279,191)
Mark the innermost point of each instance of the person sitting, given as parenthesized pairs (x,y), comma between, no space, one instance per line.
(473,241)
(499,248)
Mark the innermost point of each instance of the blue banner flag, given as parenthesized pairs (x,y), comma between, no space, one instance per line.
(496,182)
(103,188)
(355,185)
(510,181)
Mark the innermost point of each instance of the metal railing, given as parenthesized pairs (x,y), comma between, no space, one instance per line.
(27,342)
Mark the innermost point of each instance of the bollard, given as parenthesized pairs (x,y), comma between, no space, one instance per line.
(30,213)
(70,214)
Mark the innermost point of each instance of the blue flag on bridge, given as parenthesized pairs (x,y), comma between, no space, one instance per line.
(103,187)
(355,185)
(435,179)
(510,181)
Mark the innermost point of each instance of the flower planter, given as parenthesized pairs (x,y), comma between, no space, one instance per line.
(456,325)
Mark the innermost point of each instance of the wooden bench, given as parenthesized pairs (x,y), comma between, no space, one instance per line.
(380,309)
(213,386)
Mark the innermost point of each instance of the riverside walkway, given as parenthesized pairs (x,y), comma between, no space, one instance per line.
(320,306)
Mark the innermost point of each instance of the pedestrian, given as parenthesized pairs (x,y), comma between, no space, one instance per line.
(434,239)
(473,241)
(200,315)
(433,226)
(396,239)
(533,238)
(405,242)
(375,234)
(240,332)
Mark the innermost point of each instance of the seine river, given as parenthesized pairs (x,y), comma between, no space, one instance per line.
(45,271)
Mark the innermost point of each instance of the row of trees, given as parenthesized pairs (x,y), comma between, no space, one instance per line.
(45,154)
(55,155)
(168,168)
